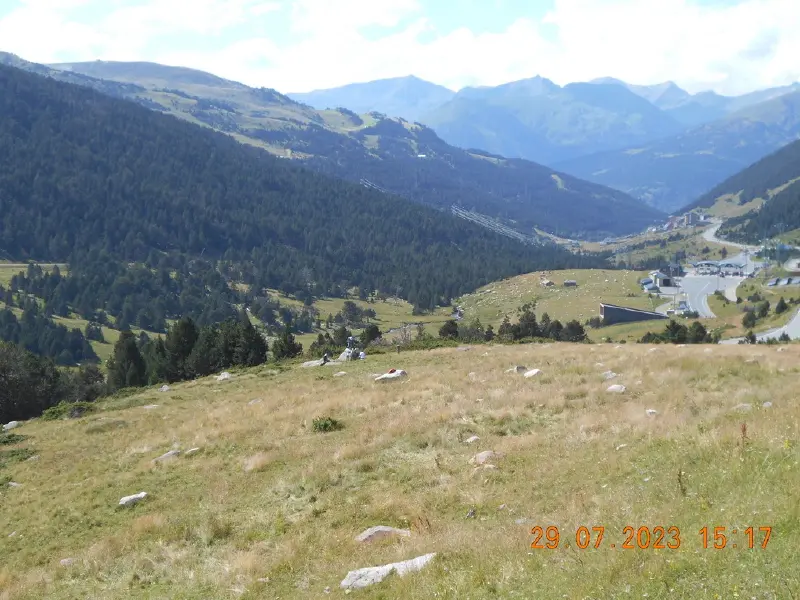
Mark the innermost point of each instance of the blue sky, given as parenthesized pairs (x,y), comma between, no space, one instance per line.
(731,46)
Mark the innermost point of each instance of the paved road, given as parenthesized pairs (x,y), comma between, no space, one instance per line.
(697,288)
(710,235)
(792,328)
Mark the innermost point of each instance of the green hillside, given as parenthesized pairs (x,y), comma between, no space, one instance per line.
(395,155)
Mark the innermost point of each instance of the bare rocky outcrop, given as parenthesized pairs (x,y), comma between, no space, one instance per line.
(381,532)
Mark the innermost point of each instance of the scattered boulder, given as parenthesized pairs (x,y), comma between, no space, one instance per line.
(532,373)
(517,369)
(616,389)
(163,388)
(482,457)
(254,401)
(191,451)
(133,499)
(150,406)
(621,446)
(313,363)
(10,425)
(224,376)
(67,562)
(33,458)
(767,405)
(14,484)
(392,374)
(172,454)
(380,532)
(471,439)
(651,412)
(340,374)
(609,375)
(361,578)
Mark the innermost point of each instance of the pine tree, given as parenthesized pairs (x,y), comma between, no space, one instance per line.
(286,346)
(180,341)
(126,367)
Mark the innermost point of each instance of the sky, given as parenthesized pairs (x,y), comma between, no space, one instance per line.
(729,46)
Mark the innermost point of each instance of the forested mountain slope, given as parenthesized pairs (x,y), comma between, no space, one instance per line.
(401,157)
(775,180)
(87,178)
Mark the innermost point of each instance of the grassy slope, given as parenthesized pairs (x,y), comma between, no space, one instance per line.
(266,498)
(492,302)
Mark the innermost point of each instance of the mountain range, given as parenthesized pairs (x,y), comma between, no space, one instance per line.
(659,142)
(513,196)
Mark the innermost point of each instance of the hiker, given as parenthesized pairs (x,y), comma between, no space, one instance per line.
(325,358)
(362,355)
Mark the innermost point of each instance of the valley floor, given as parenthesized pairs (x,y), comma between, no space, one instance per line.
(268,507)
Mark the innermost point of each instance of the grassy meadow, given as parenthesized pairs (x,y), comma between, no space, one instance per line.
(268,507)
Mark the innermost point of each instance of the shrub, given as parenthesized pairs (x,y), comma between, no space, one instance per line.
(781,306)
(326,424)
(71,410)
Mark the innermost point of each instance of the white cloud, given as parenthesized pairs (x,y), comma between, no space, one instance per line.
(731,48)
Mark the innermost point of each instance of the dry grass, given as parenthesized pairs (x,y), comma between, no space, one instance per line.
(573,455)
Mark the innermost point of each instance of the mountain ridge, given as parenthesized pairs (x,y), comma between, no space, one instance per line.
(519,194)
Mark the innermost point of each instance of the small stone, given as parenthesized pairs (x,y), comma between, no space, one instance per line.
(599,365)
(781,349)
(482,457)
(651,412)
(380,532)
(263,580)
(532,373)
(743,407)
(33,458)
(472,439)
(12,534)
(255,401)
(391,375)
(10,425)
(172,454)
(767,405)
(471,513)
(517,369)
(616,389)
(192,451)
(67,562)
(14,484)
(609,375)
(501,507)
(361,578)
(224,376)
(131,500)
(327,590)
(150,406)
(340,374)
(621,446)
(163,388)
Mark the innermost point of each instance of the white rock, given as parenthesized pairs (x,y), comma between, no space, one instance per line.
(172,454)
(472,439)
(340,374)
(131,500)
(380,532)
(621,446)
(150,406)
(681,345)
(10,425)
(481,457)
(313,363)
(767,405)
(472,375)
(67,562)
(517,369)
(654,350)
(609,375)
(617,389)
(12,534)
(255,401)
(599,365)
(224,376)
(398,374)
(532,373)
(781,349)
(361,578)
(14,484)
(163,388)
(33,458)
(617,347)
(743,407)
(651,412)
